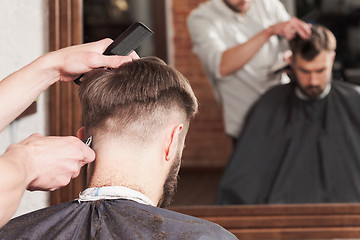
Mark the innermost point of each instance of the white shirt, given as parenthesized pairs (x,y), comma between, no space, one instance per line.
(215,28)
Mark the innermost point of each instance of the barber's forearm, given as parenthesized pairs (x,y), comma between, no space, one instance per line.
(237,57)
(12,186)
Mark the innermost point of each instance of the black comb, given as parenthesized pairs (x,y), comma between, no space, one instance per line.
(128,41)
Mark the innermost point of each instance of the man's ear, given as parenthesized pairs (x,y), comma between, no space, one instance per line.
(81,133)
(333,56)
(173,144)
(90,166)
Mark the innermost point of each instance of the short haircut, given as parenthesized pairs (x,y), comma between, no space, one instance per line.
(320,39)
(139,96)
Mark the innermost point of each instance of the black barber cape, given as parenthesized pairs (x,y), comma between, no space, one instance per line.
(110,219)
(297,151)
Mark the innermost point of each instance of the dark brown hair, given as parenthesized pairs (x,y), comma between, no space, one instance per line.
(145,91)
(320,39)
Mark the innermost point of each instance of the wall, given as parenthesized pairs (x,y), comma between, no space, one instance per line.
(24,37)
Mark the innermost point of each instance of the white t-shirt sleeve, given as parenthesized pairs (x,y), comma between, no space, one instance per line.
(208,45)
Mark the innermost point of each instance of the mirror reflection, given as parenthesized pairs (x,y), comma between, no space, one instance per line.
(313,159)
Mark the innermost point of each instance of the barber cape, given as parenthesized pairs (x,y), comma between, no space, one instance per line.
(110,213)
(293,150)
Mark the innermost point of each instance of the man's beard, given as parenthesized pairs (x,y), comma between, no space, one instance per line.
(170,184)
(233,7)
(313,92)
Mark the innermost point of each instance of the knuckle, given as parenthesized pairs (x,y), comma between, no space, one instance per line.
(76,174)
(63,181)
(76,167)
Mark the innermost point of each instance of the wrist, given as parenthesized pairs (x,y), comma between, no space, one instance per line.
(14,162)
(270,31)
(46,68)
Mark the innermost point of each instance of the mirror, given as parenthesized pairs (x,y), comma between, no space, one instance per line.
(207,148)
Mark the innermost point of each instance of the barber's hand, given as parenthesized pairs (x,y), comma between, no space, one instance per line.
(290,28)
(51,162)
(71,62)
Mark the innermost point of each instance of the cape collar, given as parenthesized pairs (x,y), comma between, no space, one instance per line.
(113,192)
(302,96)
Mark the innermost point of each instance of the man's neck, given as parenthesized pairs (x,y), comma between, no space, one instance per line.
(126,167)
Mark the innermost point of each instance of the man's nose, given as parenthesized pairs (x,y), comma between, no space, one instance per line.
(313,79)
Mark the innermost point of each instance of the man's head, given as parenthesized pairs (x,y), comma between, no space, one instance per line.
(312,60)
(239,6)
(143,108)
